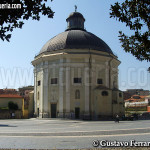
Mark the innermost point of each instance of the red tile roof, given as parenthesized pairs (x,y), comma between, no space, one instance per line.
(8,91)
(135,98)
(10,96)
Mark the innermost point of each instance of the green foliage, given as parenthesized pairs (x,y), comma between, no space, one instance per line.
(12,106)
(13,18)
(136,109)
(136,15)
(4,108)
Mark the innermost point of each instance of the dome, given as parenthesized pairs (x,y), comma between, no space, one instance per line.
(76,39)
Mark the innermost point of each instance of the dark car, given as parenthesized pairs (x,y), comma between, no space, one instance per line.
(131,117)
(146,115)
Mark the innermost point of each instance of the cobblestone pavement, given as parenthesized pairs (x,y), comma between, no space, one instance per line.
(69,134)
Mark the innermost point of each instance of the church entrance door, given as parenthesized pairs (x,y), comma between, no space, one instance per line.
(53,110)
(38,112)
(77,113)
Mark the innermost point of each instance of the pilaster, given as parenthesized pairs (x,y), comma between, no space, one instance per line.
(107,74)
(45,94)
(41,95)
(67,92)
(61,92)
(87,84)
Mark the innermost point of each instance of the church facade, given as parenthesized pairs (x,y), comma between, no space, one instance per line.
(76,76)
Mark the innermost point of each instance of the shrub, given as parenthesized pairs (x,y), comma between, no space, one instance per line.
(12,106)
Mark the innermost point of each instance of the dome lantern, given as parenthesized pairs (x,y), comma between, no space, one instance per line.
(75,21)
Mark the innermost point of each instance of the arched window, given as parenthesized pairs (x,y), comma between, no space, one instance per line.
(104,93)
(77,94)
(38,95)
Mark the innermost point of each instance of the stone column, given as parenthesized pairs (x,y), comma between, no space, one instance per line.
(67,115)
(61,92)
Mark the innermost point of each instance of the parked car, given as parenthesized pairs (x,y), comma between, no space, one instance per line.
(146,115)
(131,117)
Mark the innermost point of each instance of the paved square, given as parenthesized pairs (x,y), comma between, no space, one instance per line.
(59,133)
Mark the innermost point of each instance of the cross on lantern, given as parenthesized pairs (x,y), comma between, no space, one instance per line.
(75,8)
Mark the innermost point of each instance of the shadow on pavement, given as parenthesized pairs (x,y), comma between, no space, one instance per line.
(4,125)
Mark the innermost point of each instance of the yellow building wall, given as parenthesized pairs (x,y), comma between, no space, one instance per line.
(4,102)
(26,114)
(18,113)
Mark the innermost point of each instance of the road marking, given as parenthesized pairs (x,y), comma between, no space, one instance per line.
(88,136)
(16,131)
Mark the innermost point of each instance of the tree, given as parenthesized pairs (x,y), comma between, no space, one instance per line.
(13,18)
(12,106)
(136,15)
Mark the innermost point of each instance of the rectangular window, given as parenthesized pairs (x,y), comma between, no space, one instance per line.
(39,83)
(99,81)
(53,80)
(77,80)
(120,94)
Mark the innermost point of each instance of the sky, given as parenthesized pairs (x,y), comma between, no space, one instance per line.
(16,69)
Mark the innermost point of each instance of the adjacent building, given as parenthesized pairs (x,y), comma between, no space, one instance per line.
(24,92)
(7,96)
(27,93)
(130,92)
(137,101)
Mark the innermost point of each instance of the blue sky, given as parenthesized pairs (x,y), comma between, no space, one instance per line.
(16,56)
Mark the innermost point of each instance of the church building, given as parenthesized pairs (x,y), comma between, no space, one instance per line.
(76,76)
